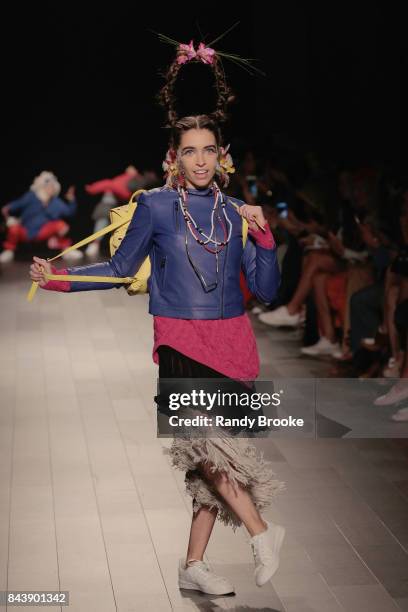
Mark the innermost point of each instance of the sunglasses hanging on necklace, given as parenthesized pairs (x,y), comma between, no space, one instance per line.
(201,237)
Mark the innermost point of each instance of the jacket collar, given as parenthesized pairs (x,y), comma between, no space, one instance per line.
(200,192)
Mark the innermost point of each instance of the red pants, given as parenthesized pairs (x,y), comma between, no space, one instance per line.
(17,233)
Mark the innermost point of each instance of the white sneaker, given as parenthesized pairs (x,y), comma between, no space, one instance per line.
(198,577)
(6,256)
(397,393)
(265,548)
(392,369)
(322,347)
(342,355)
(92,250)
(401,415)
(74,255)
(12,221)
(280,317)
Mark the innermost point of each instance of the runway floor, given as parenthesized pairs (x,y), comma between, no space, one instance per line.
(90,505)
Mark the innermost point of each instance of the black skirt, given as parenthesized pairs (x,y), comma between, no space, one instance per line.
(173,364)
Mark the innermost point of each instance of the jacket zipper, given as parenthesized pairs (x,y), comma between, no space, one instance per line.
(176,215)
(223,278)
(223,282)
(162,271)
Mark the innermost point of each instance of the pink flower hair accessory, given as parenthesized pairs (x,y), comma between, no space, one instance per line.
(206,54)
(186,53)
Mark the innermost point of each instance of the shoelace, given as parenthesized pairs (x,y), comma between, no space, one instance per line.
(262,551)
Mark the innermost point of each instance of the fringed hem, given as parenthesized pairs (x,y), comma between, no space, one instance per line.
(237,459)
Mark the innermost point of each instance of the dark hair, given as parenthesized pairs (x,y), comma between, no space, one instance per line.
(225,96)
(197,122)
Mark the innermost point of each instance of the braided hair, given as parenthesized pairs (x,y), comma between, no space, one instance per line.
(167,97)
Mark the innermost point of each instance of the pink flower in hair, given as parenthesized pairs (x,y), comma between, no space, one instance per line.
(206,54)
(186,53)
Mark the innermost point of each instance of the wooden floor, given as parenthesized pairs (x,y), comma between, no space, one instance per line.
(89,503)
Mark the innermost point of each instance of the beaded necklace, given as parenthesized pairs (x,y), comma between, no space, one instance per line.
(201,237)
(197,231)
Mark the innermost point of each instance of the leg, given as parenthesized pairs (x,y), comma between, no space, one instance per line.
(58,227)
(195,573)
(365,314)
(201,528)
(238,499)
(359,277)
(53,231)
(15,233)
(266,537)
(322,305)
(203,521)
(399,391)
(314,262)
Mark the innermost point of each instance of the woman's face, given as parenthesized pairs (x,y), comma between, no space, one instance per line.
(198,155)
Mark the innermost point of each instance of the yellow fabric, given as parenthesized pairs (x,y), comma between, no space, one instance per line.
(120,218)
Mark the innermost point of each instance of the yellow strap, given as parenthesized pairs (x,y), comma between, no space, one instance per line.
(102,232)
(77,277)
(105,230)
(107,279)
(32,292)
(244,230)
(88,279)
(244,223)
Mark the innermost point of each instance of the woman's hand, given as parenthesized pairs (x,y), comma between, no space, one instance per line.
(254,215)
(37,270)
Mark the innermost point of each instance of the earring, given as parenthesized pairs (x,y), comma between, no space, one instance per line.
(181,178)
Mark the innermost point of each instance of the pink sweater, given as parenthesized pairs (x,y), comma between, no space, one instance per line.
(225,345)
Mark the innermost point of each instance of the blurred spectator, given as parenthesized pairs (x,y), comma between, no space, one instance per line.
(38,216)
(115,192)
(118,185)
